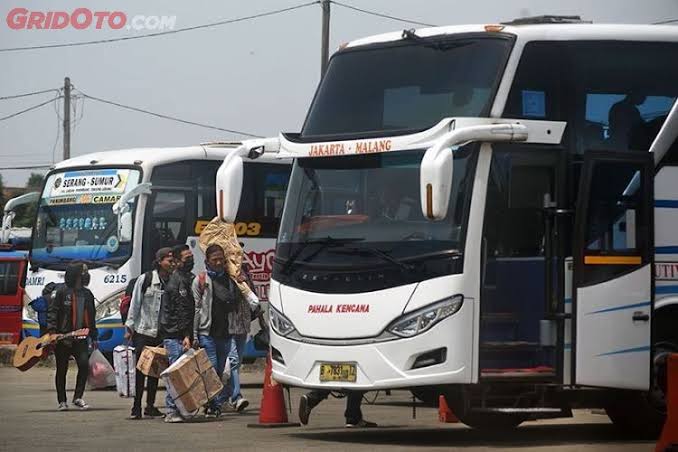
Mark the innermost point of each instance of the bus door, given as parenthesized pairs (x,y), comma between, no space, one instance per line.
(613,285)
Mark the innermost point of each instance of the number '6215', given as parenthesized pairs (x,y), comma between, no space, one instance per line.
(115,279)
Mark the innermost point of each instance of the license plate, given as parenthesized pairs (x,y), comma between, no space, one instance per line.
(338,372)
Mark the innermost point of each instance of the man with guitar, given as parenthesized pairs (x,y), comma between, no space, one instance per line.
(71,309)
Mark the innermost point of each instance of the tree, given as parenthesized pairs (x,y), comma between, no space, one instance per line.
(34,182)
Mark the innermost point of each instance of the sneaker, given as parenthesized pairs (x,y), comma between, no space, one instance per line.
(81,404)
(151,411)
(304,409)
(361,424)
(241,404)
(63,406)
(173,418)
(135,414)
(212,412)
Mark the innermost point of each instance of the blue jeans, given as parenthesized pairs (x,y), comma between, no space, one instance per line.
(175,349)
(235,344)
(217,352)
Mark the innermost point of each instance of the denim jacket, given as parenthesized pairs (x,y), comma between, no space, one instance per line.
(144,309)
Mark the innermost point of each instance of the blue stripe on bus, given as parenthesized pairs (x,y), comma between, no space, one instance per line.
(621,308)
(666,203)
(665,289)
(666,249)
(627,350)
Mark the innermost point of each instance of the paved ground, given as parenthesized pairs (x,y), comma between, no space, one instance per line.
(28,421)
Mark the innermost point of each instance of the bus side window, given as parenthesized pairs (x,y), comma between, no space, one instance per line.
(598,88)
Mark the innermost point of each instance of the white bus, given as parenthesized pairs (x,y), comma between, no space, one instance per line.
(470,213)
(169,198)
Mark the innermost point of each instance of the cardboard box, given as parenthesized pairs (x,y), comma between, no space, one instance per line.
(153,361)
(192,381)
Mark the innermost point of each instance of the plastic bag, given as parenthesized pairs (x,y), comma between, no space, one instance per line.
(101,373)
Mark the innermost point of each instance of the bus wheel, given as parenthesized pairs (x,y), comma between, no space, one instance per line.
(643,413)
(428,395)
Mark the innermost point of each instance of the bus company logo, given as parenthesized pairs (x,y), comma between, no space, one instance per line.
(260,265)
(338,309)
(85,199)
(84,18)
(327,150)
(57,182)
(666,271)
(371,147)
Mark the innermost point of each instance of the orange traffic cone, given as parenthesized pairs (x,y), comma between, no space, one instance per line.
(272,411)
(445,414)
(669,436)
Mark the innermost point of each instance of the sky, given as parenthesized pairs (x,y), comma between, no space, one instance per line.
(257,76)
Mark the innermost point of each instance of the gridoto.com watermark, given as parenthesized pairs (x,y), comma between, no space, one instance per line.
(85,18)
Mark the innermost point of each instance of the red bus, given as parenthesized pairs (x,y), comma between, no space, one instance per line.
(12,270)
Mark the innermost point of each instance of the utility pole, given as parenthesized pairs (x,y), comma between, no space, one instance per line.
(67,118)
(325,44)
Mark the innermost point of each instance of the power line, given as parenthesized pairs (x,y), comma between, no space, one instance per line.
(667,21)
(162,33)
(385,16)
(16,96)
(32,166)
(171,118)
(26,110)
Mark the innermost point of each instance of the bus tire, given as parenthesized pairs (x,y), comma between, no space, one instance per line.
(427,394)
(643,414)
(634,415)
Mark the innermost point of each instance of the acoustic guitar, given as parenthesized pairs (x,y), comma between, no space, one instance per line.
(33,349)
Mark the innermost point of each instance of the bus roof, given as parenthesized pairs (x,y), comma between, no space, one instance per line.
(543,32)
(150,157)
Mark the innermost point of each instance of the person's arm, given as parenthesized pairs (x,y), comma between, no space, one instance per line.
(198,297)
(135,304)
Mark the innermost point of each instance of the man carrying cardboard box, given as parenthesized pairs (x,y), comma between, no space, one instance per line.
(176,316)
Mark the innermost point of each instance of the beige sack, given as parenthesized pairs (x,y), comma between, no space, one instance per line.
(223,234)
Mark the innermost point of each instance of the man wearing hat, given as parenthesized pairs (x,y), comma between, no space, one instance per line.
(142,324)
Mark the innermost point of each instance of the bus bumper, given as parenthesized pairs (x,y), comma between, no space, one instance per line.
(383,365)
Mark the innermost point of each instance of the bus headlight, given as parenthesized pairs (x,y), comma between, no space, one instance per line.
(423,319)
(281,324)
(109,306)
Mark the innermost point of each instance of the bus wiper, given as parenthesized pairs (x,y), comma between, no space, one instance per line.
(323,243)
(93,263)
(385,256)
(436,43)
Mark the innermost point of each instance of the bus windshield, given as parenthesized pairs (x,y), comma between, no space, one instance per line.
(75,220)
(363,212)
(407,86)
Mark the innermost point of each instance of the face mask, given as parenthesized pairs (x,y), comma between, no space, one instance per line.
(215,274)
(188,264)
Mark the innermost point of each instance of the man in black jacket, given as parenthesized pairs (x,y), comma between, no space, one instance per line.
(71,309)
(175,326)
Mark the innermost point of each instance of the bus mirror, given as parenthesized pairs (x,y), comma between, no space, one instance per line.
(125,227)
(229,187)
(436,182)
